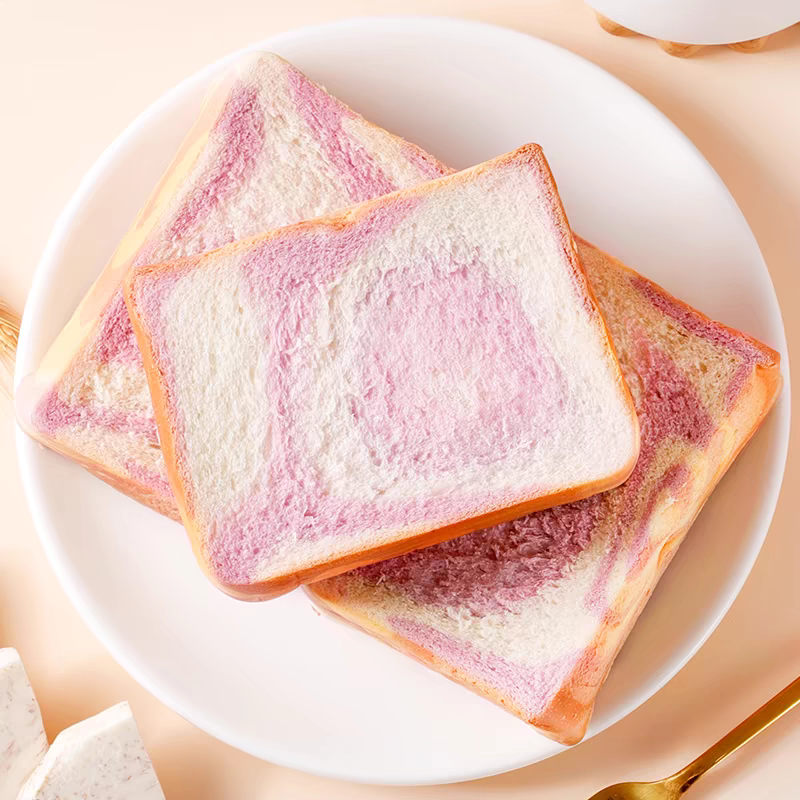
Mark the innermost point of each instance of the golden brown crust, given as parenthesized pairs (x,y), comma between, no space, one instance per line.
(326,600)
(265,590)
(772,358)
(136,491)
(572,251)
(79,329)
(158,393)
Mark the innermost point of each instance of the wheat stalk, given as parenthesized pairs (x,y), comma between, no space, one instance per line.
(9,336)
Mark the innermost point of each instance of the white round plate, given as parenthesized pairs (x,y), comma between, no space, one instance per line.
(275,679)
(702,21)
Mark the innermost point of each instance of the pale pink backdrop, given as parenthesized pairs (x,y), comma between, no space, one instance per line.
(74,74)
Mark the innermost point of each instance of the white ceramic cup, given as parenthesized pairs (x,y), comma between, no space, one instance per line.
(701,21)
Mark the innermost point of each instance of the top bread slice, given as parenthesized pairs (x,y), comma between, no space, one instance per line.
(269,148)
(532,613)
(354,387)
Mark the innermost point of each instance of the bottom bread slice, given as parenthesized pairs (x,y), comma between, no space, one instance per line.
(532,613)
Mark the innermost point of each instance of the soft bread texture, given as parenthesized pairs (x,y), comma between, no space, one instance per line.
(23,741)
(410,370)
(269,148)
(100,758)
(532,613)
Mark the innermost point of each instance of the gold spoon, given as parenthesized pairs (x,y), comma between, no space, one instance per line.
(675,786)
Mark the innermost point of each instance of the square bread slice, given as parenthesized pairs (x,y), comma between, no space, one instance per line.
(357,386)
(269,148)
(532,613)
(23,741)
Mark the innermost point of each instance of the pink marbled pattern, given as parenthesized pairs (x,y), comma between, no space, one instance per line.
(408,354)
(149,478)
(324,117)
(674,481)
(529,688)
(241,128)
(417,431)
(667,401)
(669,407)
(749,351)
(499,568)
(496,569)
(114,344)
(426,164)
(115,341)
(53,414)
(737,382)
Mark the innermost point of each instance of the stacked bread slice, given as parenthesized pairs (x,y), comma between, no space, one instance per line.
(410,370)
(373,380)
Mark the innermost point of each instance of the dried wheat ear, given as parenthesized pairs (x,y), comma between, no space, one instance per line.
(9,336)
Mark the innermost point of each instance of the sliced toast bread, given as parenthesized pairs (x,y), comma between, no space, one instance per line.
(269,148)
(353,387)
(532,613)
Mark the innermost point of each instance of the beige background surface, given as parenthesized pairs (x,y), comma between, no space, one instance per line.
(74,74)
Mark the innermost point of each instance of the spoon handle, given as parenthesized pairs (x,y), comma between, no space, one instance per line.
(772,710)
